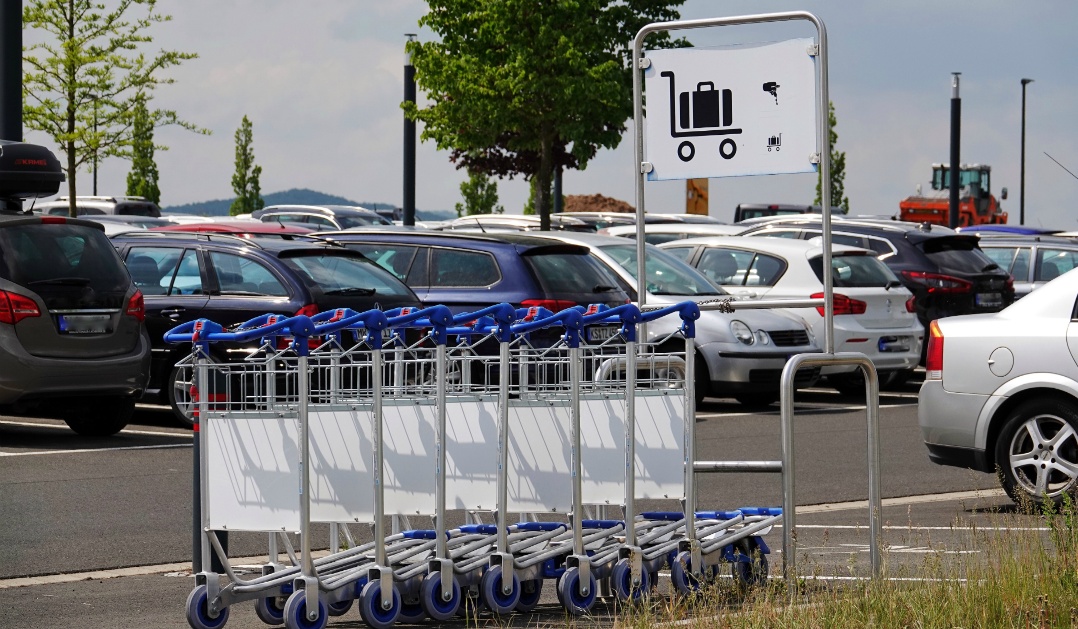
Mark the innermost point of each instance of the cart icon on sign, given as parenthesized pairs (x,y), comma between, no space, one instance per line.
(706,111)
(774,142)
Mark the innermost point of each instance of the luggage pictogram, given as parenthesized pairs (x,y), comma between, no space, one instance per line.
(705,111)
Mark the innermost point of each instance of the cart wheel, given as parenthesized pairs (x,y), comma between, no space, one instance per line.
(569,592)
(198,613)
(653,578)
(490,590)
(295,612)
(340,608)
(370,606)
(471,604)
(270,610)
(681,575)
(622,578)
(753,571)
(530,591)
(686,151)
(430,597)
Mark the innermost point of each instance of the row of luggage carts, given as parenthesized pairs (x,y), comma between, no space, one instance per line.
(536,418)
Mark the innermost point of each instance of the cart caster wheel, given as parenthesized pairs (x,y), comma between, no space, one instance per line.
(430,597)
(270,610)
(471,604)
(295,612)
(684,581)
(654,580)
(370,606)
(622,580)
(569,592)
(490,590)
(198,613)
(530,591)
(753,572)
(340,608)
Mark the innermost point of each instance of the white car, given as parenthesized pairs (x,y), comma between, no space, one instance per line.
(1001,392)
(743,352)
(658,233)
(874,313)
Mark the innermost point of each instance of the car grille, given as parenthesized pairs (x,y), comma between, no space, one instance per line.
(805,376)
(788,338)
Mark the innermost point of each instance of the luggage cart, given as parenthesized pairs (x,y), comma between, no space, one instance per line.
(704,112)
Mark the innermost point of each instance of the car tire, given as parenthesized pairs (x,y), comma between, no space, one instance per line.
(179,393)
(1035,436)
(702,382)
(101,417)
(758,399)
(895,380)
(850,383)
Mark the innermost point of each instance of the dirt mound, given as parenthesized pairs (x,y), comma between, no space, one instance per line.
(595,203)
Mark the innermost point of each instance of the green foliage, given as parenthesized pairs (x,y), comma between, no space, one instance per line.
(480,195)
(93,67)
(245,180)
(143,179)
(519,87)
(838,169)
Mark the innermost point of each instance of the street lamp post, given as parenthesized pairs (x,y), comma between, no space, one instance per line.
(94,159)
(1022,177)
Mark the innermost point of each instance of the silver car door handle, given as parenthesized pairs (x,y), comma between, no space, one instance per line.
(173,313)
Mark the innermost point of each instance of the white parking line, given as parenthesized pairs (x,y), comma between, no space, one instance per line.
(85,450)
(62,426)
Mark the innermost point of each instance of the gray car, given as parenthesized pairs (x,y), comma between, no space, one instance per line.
(71,323)
(1032,261)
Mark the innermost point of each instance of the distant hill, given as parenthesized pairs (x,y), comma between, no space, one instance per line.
(297,196)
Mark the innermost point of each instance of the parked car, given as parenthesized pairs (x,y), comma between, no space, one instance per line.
(874,313)
(1031,260)
(752,211)
(100,206)
(229,280)
(658,233)
(515,222)
(242,228)
(1001,393)
(131,221)
(947,272)
(71,324)
(741,355)
(469,271)
(321,217)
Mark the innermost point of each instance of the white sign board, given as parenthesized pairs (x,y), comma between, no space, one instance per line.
(731,111)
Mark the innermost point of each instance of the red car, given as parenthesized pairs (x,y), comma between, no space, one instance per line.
(241,228)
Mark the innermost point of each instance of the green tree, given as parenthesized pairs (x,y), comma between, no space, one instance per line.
(93,69)
(143,179)
(480,195)
(522,87)
(245,181)
(838,169)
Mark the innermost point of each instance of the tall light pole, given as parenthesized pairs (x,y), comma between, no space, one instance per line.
(94,159)
(956,141)
(1022,178)
(408,205)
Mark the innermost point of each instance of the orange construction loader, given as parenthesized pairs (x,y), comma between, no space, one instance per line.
(976,205)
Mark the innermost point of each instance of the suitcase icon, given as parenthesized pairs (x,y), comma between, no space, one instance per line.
(705,111)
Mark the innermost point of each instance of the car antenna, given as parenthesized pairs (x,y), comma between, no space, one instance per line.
(1061,165)
(480,224)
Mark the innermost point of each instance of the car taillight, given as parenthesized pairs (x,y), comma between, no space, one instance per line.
(136,307)
(843,305)
(937,283)
(553,305)
(1009,284)
(934,357)
(911,304)
(15,307)
(53,219)
(309,310)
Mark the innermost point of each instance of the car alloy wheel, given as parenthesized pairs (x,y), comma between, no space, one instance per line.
(1037,451)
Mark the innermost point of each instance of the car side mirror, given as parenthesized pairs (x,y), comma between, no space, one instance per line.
(1003,194)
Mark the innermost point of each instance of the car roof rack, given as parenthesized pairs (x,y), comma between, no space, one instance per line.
(206,236)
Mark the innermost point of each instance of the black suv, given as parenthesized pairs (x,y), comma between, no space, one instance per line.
(947,272)
(229,280)
(71,320)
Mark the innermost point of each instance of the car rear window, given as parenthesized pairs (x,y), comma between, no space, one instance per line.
(957,255)
(565,272)
(70,266)
(347,275)
(855,271)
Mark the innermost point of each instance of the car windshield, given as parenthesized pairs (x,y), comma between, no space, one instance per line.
(346,275)
(69,266)
(666,274)
(856,271)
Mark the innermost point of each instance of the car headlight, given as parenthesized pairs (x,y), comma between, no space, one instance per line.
(742,332)
(762,338)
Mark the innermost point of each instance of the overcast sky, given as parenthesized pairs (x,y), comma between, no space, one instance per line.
(322,80)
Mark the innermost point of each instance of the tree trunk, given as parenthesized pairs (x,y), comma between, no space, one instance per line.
(543,178)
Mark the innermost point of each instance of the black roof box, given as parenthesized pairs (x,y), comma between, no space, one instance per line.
(28,171)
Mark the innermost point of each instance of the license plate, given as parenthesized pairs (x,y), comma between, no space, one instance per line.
(894,344)
(989,300)
(85,324)
(602,333)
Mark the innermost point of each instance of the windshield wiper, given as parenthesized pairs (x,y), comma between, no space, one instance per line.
(892,284)
(990,267)
(355,290)
(603,288)
(62,281)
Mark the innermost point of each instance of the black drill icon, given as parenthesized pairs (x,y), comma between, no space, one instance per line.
(772,87)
